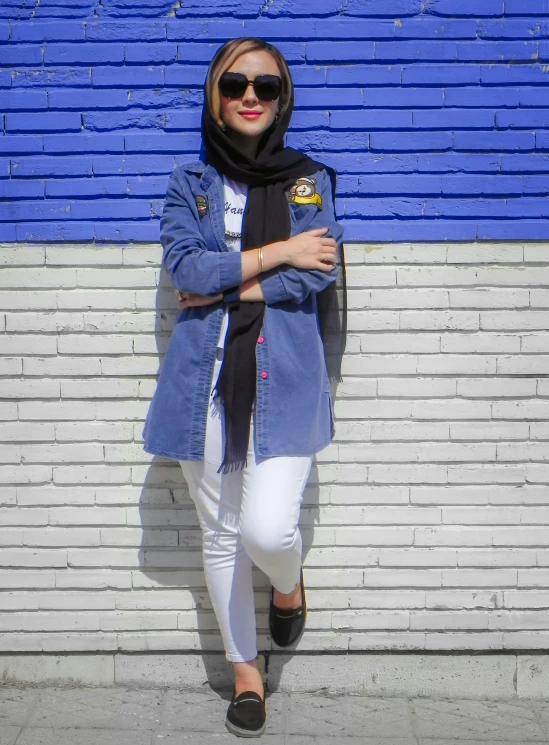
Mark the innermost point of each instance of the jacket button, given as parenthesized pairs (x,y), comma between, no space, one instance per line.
(264,375)
(260,340)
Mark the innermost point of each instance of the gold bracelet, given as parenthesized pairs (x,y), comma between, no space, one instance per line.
(260,259)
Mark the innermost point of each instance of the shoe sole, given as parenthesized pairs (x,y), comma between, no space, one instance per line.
(240,732)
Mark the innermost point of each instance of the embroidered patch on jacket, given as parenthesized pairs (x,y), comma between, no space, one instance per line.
(202,205)
(304,192)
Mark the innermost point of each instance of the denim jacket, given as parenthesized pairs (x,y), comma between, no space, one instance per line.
(293,408)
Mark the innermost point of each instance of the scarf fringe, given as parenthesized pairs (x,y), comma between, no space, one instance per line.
(226,468)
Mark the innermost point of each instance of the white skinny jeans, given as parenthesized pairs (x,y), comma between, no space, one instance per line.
(246,516)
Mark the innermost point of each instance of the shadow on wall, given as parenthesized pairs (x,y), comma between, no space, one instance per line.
(171,555)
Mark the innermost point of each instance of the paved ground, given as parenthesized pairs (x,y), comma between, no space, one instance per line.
(137,716)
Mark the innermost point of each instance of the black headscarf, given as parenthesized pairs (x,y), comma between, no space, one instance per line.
(266,220)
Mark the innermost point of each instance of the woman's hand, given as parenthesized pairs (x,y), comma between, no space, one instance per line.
(312,250)
(193,300)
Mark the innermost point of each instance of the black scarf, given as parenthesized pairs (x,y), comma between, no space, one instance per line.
(266,220)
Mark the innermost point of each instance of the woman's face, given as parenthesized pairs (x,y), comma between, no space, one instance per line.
(248,115)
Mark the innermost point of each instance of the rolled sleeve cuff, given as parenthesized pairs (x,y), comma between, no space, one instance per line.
(273,289)
(230,270)
(232,295)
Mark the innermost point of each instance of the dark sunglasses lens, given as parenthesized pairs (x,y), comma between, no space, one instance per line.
(267,87)
(232,84)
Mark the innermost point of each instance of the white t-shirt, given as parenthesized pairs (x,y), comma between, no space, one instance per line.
(235,201)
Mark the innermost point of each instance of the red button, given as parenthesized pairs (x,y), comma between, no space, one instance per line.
(264,375)
(261,340)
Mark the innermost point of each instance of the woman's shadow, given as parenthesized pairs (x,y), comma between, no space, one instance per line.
(171,554)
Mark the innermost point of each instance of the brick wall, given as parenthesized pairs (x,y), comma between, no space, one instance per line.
(425,522)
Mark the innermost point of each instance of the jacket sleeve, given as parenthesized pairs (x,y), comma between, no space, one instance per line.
(294,284)
(192,267)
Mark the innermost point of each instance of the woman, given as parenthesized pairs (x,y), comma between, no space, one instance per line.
(243,400)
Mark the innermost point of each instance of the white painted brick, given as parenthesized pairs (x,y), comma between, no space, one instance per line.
(329,556)
(494,557)
(487,473)
(483,342)
(521,409)
(399,298)
(25,474)
(100,388)
(46,322)
(151,343)
(8,411)
(506,320)
(405,253)
(62,453)
(61,366)
(525,599)
(126,454)
(30,389)
(533,578)
(91,475)
(121,410)
(157,298)
(400,343)
(120,322)
(488,430)
(27,279)
(109,278)
(368,494)
(22,431)
(371,276)
(543,387)
(11,366)
(450,536)
(407,474)
(535,252)
(142,255)
(388,640)
(519,451)
(464,641)
(481,515)
(30,344)
(349,431)
(405,430)
(372,320)
(492,253)
(520,536)
(396,578)
(28,300)
(498,276)
(539,298)
(138,365)
(50,411)
(366,536)
(503,620)
(147,389)
(17,255)
(10,453)
(61,537)
(372,409)
(95,344)
(539,430)
(442,319)
(455,364)
(82,300)
(463,599)
(386,620)
(527,364)
(500,387)
(451,409)
(479,578)
(448,620)
(104,578)
(417,557)
(489,297)
(417,387)
(83,256)
(51,494)
(8,495)
(93,431)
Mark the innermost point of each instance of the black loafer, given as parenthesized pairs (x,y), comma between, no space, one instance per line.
(246,715)
(286,626)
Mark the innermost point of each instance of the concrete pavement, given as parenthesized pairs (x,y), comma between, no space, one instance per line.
(124,715)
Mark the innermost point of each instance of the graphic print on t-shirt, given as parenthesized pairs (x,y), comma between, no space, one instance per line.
(235,202)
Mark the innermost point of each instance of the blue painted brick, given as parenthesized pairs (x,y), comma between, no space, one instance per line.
(71,77)
(27,100)
(47,31)
(309,119)
(105,121)
(127,231)
(48,122)
(107,208)
(165,98)
(162,143)
(83,54)
(19,189)
(494,141)
(403,97)
(126,30)
(195,52)
(535,184)
(86,187)
(371,119)
(508,74)
(48,166)
(82,99)
(523,119)
(479,184)
(465,207)
(328,97)
(4,31)
(314,141)
(8,233)
(84,143)
(15,56)
(454,74)
(206,30)
(364,75)
(411,183)
(383,207)
(429,51)
(455,162)
(136,77)
(308,76)
(542,140)
(531,8)
(18,144)
(388,8)
(54,232)
(498,51)
(513,230)
(108,165)
(525,163)
(368,163)
(340,51)
(534,96)
(150,53)
(512,28)
(411,141)
(147,186)
(182,120)
(31,210)
(466,7)
(528,207)
(187,75)
(454,119)
(293,9)
(5,79)
(482,96)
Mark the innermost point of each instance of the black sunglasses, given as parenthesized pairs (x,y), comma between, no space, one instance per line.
(235,84)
